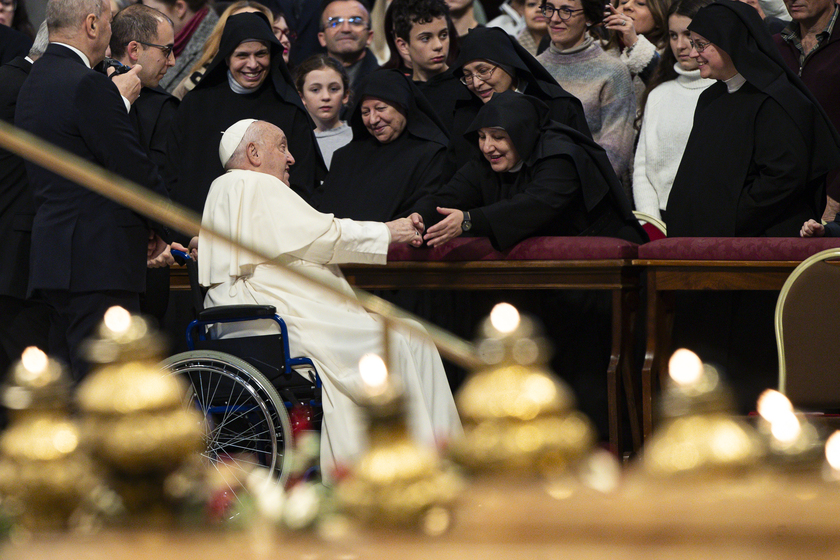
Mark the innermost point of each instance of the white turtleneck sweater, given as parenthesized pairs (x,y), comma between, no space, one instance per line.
(666,125)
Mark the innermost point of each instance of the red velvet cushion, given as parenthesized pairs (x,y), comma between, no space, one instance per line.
(459,249)
(572,249)
(736,248)
(653,232)
(535,248)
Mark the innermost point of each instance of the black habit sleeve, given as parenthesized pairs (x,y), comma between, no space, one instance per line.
(544,193)
(540,195)
(774,200)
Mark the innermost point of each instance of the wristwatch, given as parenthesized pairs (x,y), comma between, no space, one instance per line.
(466,225)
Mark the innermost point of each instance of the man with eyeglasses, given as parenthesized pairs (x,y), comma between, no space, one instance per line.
(143,36)
(346,34)
(89,253)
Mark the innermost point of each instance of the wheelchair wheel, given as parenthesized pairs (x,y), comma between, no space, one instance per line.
(246,423)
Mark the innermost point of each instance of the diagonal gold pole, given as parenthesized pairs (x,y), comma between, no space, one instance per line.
(163,211)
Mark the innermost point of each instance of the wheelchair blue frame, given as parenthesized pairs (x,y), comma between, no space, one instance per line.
(198,324)
(289,363)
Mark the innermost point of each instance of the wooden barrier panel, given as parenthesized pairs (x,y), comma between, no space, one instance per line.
(724,263)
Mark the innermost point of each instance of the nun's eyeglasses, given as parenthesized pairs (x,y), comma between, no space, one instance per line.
(699,46)
(483,75)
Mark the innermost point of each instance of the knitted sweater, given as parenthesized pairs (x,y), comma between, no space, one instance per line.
(666,125)
(603,84)
(641,60)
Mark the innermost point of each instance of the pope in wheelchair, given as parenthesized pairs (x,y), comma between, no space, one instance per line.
(253,204)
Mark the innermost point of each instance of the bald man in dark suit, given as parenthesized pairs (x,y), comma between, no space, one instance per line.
(89,253)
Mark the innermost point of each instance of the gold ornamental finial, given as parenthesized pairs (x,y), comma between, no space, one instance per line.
(134,418)
(792,441)
(397,482)
(42,464)
(699,433)
(518,416)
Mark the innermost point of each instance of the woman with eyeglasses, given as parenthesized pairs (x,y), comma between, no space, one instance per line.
(601,81)
(760,148)
(535,177)
(491,62)
(754,166)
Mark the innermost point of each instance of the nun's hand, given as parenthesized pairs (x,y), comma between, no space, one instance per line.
(621,24)
(446,229)
(812,228)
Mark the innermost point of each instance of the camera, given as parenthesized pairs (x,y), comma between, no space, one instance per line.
(119,67)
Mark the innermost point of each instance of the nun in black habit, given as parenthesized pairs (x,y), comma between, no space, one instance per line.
(558,182)
(761,145)
(754,166)
(376,181)
(219,100)
(525,75)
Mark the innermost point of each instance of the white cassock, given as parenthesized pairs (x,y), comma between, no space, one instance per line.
(261,211)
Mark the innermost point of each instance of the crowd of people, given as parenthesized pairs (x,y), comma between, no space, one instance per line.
(407,121)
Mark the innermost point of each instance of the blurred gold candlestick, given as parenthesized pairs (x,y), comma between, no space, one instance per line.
(135,422)
(518,417)
(42,464)
(397,483)
(700,434)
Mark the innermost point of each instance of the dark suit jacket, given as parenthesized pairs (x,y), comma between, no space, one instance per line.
(13,44)
(152,113)
(17,206)
(83,242)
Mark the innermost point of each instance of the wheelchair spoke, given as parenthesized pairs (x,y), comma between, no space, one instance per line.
(242,413)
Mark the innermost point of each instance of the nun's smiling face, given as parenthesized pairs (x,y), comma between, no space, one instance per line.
(712,61)
(484,78)
(382,119)
(498,148)
(249,63)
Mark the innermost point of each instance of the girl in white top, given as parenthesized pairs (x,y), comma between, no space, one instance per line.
(324,88)
(667,114)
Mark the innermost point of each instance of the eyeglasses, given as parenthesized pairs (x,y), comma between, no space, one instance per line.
(562,12)
(10,5)
(289,33)
(483,75)
(699,46)
(165,49)
(355,21)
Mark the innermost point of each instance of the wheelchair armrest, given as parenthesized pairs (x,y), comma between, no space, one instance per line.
(243,312)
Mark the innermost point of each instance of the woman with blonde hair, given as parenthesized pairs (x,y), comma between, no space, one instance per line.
(211,47)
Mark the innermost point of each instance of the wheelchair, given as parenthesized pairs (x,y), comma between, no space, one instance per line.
(244,387)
